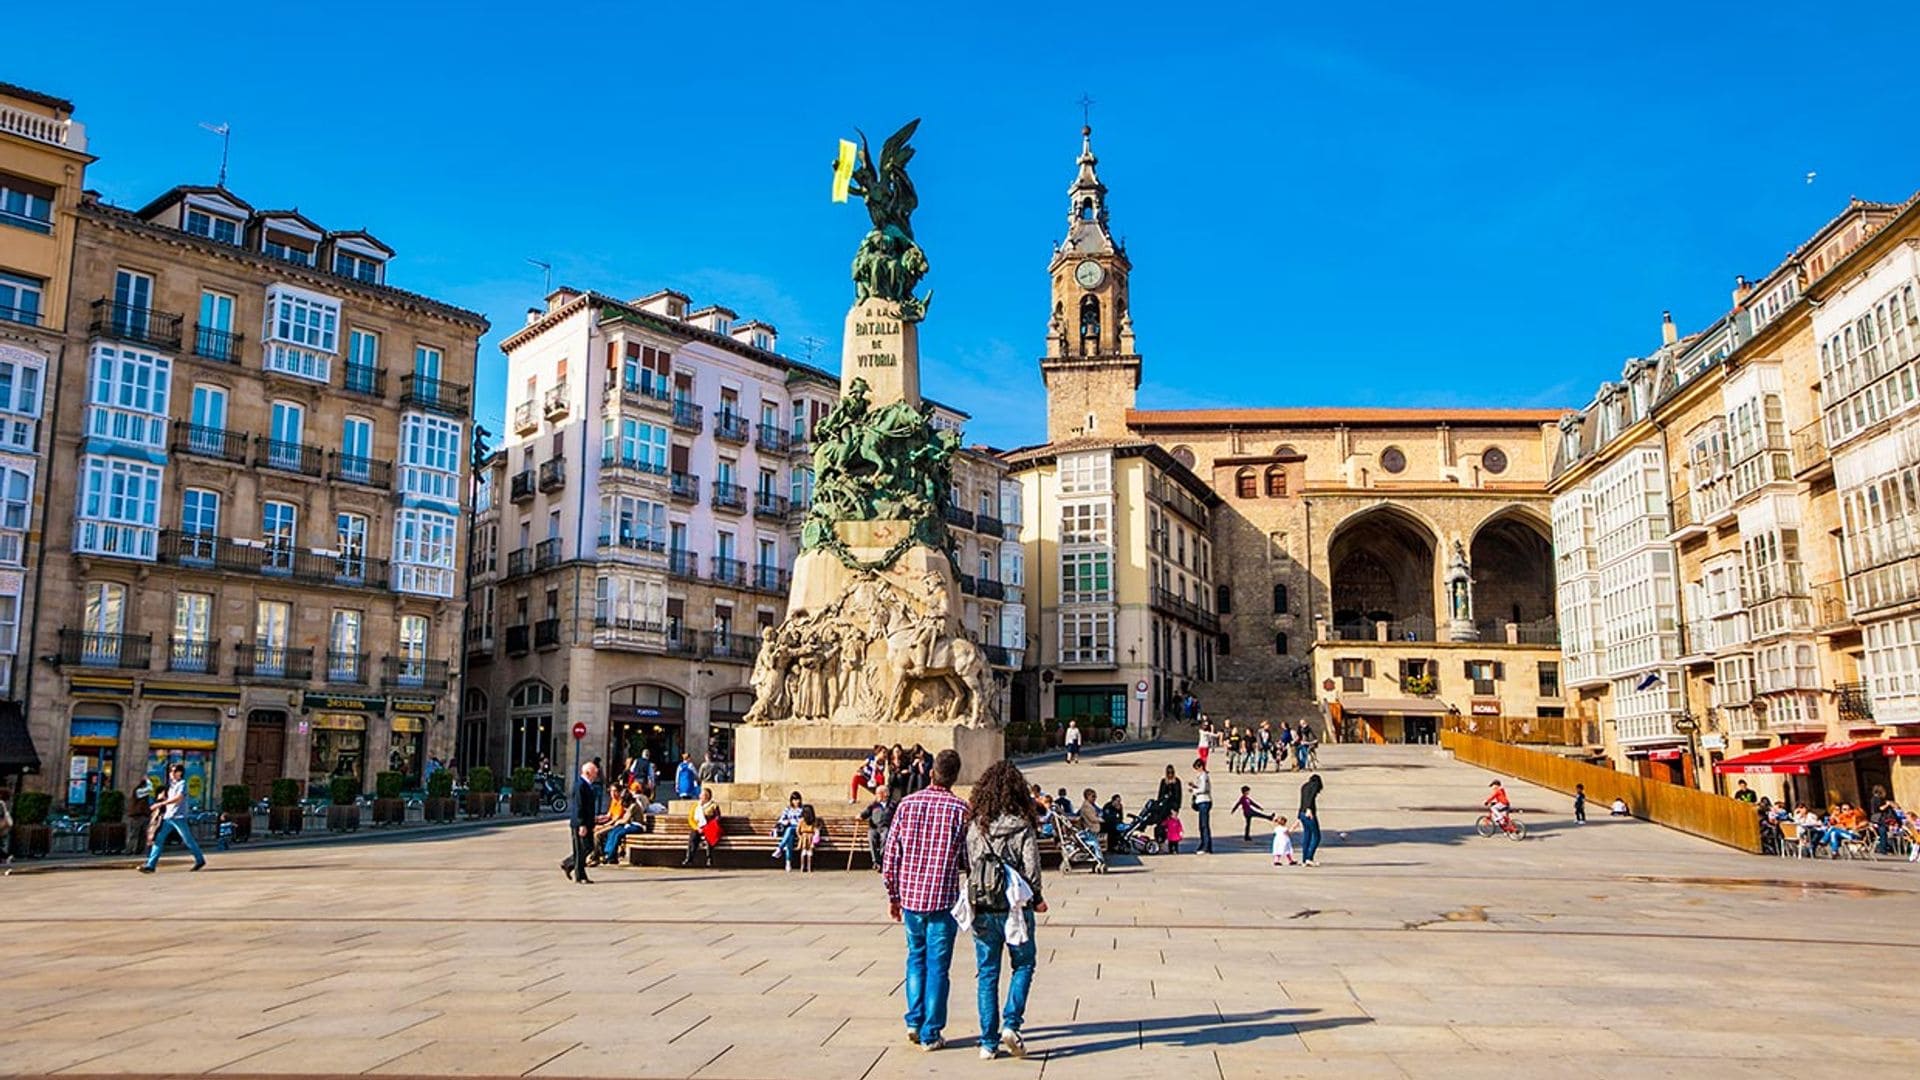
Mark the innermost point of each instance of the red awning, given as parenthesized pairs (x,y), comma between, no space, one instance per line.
(1795,758)
(1902,748)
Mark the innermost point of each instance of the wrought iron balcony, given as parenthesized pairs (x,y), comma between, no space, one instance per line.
(725,571)
(519,562)
(546,634)
(136,325)
(272,662)
(683,563)
(220,346)
(1810,450)
(682,641)
(209,442)
(1172,603)
(1855,705)
(967,585)
(556,403)
(1001,656)
(520,488)
(546,553)
(616,467)
(519,640)
(205,551)
(770,506)
(436,395)
(730,427)
(553,474)
(193,656)
(525,420)
(364,379)
(687,416)
(25,316)
(648,395)
(628,541)
(286,456)
(353,469)
(990,588)
(958,518)
(729,497)
(772,579)
(86,649)
(772,439)
(988,525)
(730,647)
(413,673)
(346,668)
(685,487)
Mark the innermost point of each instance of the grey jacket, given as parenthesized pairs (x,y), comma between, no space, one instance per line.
(1016,842)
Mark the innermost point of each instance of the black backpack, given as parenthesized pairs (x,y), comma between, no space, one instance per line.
(987,879)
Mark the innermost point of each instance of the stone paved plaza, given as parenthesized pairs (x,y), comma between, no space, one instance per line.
(1417,949)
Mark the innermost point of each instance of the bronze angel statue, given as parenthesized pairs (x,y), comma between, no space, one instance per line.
(889,265)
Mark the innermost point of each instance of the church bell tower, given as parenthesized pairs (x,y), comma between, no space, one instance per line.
(1091,370)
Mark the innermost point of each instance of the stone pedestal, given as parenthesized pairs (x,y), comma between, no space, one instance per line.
(884,349)
(819,759)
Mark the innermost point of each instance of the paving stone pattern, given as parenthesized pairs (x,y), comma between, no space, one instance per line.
(1417,949)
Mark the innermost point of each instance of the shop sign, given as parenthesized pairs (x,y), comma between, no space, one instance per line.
(355,702)
(340,722)
(1486,708)
(1669,753)
(1713,742)
(638,712)
(415,705)
(408,725)
(77,769)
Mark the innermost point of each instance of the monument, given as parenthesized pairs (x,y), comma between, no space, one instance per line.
(872,651)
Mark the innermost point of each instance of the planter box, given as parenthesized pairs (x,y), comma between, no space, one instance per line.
(525,803)
(107,838)
(482,805)
(285,820)
(440,809)
(243,828)
(343,818)
(31,841)
(389,811)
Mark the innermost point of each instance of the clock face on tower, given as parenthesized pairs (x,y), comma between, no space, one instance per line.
(1089,274)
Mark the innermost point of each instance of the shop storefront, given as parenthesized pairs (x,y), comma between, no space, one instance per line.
(406,746)
(337,746)
(1825,773)
(93,752)
(1095,707)
(650,718)
(530,720)
(1388,720)
(191,737)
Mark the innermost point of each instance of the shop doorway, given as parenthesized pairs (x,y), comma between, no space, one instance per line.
(265,751)
(338,748)
(93,753)
(646,719)
(531,736)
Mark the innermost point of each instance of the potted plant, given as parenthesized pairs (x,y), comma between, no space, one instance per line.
(344,813)
(1418,685)
(108,833)
(237,803)
(439,805)
(31,836)
(284,812)
(524,802)
(483,798)
(388,807)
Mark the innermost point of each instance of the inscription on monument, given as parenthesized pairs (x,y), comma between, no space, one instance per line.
(827,753)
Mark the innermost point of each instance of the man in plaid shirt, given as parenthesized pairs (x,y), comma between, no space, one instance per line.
(926,858)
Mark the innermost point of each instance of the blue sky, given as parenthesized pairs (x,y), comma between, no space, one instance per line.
(1391,205)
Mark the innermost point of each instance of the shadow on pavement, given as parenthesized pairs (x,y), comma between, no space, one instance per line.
(1202,1030)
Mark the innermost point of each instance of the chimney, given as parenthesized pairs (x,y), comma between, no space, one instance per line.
(1742,288)
(559,298)
(1668,335)
(533,316)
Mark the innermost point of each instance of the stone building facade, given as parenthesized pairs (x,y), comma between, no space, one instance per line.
(641,525)
(252,551)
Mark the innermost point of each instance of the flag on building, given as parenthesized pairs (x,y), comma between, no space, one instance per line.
(1652,680)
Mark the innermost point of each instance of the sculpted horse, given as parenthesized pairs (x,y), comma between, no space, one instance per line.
(955,662)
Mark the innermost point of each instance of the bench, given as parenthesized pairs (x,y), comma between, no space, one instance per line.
(747,842)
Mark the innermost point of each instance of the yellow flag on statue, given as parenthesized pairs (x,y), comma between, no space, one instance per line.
(843,170)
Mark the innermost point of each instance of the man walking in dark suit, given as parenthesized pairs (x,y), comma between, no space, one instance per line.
(586,803)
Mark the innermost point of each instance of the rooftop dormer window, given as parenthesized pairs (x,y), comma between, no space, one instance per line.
(212,226)
(287,250)
(358,267)
(763,341)
(722,324)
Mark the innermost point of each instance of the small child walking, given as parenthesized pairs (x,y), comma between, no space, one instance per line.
(227,830)
(1282,843)
(1174,834)
(810,833)
(1246,806)
(1580,804)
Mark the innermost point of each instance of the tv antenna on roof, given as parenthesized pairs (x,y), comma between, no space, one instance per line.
(546,268)
(812,345)
(225,131)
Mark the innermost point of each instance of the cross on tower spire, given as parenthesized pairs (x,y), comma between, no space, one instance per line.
(1086,109)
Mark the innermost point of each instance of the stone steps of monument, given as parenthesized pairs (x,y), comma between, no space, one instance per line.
(747,841)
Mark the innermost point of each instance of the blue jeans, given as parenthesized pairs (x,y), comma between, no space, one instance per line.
(610,844)
(179,826)
(989,935)
(1309,825)
(789,837)
(1204,811)
(930,937)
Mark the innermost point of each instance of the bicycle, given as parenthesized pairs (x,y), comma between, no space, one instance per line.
(1515,829)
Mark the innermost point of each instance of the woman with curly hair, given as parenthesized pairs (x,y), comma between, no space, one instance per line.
(1003,833)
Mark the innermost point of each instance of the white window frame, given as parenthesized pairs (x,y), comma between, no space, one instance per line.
(430,456)
(16,511)
(302,333)
(22,377)
(425,545)
(118,511)
(127,393)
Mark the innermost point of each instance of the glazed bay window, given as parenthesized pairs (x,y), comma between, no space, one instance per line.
(119,508)
(423,552)
(127,396)
(20,374)
(16,504)
(1085,523)
(625,602)
(1893,669)
(430,457)
(1086,474)
(632,523)
(1086,577)
(634,444)
(1086,637)
(302,333)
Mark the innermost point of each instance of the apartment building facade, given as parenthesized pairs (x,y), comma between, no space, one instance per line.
(253,543)
(43,162)
(643,526)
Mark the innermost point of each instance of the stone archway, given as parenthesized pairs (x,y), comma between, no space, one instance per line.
(1512,566)
(1381,563)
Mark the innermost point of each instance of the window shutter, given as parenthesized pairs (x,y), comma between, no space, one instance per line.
(1499,671)
(1466,669)
(1366,668)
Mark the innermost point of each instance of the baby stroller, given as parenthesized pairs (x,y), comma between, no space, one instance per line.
(1138,833)
(1077,845)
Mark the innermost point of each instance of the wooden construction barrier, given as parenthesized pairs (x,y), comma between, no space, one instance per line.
(1702,813)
